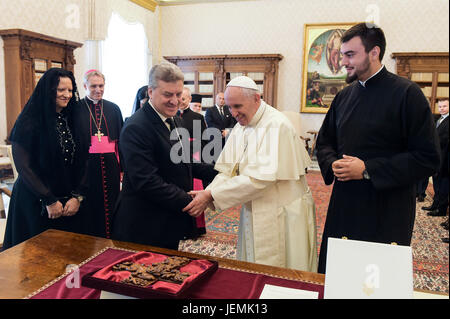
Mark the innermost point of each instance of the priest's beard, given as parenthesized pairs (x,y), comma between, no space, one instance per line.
(363,68)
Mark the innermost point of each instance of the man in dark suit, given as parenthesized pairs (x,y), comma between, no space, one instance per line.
(155,182)
(220,118)
(441,179)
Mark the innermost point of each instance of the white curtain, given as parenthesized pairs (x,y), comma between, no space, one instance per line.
(125,62)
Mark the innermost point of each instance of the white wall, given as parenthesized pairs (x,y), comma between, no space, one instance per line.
(74,20)
(253,27)
(276,26)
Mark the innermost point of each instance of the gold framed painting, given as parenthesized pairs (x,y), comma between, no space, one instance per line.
(323,75)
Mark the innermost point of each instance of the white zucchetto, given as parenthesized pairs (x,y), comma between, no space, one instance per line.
(243,82)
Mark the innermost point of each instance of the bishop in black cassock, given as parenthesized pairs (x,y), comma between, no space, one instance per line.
(191,120)
(387,123)
(100,122)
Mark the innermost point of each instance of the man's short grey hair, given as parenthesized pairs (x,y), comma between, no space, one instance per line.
(165,71)
(188,90)
(91,73)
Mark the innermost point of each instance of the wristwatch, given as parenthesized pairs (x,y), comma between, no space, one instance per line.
(80,198)
(366,174)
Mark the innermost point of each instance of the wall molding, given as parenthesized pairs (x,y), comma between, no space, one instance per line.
(147,4)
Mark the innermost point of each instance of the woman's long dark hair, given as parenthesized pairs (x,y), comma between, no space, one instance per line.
(34,129)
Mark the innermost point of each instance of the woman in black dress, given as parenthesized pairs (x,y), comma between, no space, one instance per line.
(48,155)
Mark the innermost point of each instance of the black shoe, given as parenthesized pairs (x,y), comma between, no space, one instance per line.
(445,224)
(436,213)
(421,198)
(430,208)
(445,240)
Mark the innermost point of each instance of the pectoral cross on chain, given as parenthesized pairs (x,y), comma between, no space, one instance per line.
(99,135)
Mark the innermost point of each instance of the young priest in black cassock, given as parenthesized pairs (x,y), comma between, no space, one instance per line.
(100,122)
(377,140)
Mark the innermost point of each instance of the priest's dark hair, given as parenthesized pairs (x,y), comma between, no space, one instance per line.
(35,128)
(165,71)
(371,35)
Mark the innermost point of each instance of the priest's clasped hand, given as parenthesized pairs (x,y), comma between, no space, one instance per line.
(200,202)
(348,168)
(71,208)
(55,210)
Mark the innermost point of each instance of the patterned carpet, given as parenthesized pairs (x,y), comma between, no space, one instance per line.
(430,254)
(221,235)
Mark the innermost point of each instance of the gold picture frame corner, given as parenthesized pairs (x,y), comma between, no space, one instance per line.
(328,77)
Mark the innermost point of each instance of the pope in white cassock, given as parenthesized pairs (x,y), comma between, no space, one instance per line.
(262,167)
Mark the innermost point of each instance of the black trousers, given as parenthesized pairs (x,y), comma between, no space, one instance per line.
(441,188)
(422,187)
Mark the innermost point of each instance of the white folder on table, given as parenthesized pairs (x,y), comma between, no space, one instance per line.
(365,270)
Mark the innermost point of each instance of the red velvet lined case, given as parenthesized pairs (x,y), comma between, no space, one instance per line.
(110,280)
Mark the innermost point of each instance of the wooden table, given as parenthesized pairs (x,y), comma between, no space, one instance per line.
(30,265)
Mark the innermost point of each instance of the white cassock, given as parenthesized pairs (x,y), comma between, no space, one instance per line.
(262,167)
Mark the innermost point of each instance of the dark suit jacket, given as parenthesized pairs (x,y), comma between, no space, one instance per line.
(214,119)
(154,188)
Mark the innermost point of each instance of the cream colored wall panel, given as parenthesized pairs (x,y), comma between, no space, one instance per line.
(64,19)
(3,123)
(276,26)
(260,26)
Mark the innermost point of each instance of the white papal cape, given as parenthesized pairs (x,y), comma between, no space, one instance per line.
(262,167)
